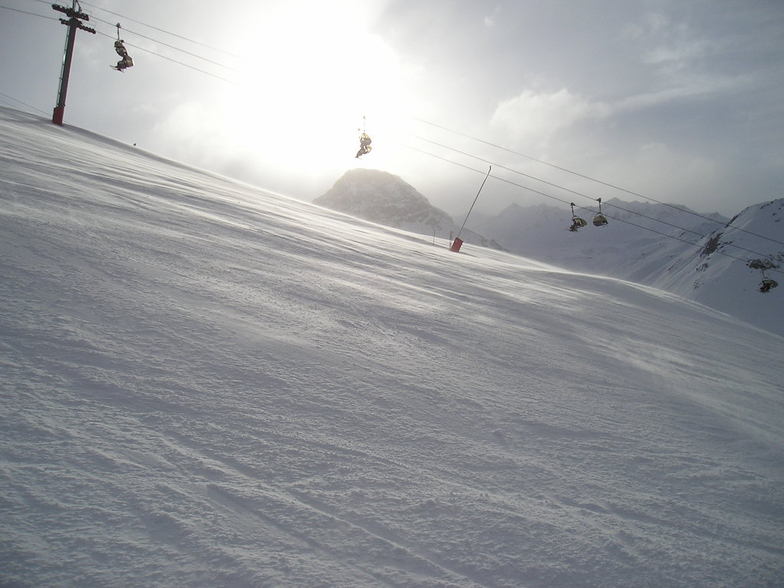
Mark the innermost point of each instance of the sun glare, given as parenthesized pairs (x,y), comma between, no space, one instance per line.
(306,85)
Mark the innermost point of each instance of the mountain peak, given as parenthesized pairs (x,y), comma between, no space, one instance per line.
(384,198)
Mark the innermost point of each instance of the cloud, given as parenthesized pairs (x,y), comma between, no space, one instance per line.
(194,132)
(670,172)
(689,88)
(535,117)
(671,46)
(649,24)
(679,54)
(540,115)
(490,20)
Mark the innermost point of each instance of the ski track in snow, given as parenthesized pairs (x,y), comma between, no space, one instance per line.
(207,384)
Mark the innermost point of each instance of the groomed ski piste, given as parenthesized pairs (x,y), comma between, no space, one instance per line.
(208,384)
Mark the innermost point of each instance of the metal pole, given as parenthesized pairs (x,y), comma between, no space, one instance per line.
(75,16)
(59,110)
(475,199)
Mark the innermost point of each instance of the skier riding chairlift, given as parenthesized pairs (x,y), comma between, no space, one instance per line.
(577,222)
(767,284)
(126,60)
(364,144)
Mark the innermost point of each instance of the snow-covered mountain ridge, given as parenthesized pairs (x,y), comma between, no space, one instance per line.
(618,249)
(701,257)
(644,242)
(726,269)
(204,383)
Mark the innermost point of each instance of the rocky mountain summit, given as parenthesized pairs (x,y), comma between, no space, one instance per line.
(387,199)
(736,268)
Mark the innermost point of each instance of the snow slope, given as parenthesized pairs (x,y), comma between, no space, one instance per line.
(625,249)
(717,273)
(207,384)
(633,245)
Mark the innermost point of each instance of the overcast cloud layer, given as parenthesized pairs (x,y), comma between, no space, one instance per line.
(680,101)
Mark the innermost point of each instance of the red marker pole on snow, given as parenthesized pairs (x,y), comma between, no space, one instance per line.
(458,242)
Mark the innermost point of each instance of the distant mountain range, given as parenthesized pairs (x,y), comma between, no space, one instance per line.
(704,257)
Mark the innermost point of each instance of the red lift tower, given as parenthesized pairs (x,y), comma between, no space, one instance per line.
(74,21)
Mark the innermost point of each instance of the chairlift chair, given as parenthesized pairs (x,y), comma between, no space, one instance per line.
(364,144)
(577,222)
(599,220)
(767,284)
(364,141)
(126,61)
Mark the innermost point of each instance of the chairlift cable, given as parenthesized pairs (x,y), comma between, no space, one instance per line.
(148,38)
(173,60)
(680,228)
(535,191)
(554,185)
(6,96)
(213,62)
(29,13)
(587,177)
(184,38)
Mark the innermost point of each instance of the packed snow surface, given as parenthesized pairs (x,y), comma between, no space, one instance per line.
(207,384)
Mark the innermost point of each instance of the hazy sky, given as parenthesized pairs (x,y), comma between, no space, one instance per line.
(680,100)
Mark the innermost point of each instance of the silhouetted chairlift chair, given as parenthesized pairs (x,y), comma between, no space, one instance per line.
(364,144)
(599,220)
(364,140)
(767,283)
(577,222)
(119,47)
